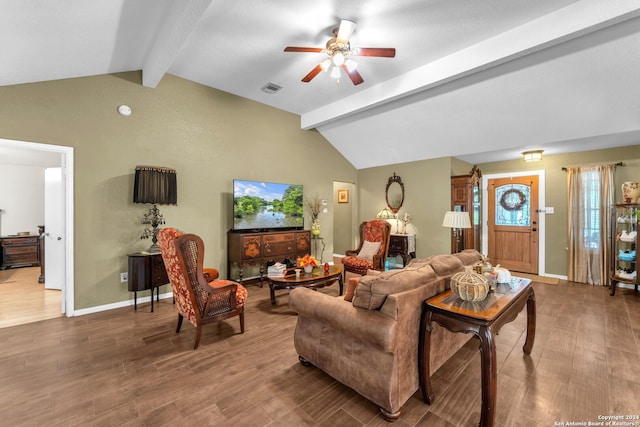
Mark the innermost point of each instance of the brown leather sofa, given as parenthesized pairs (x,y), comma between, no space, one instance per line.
(371,343)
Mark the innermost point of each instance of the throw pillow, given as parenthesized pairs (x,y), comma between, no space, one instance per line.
(372,291)
(369,249)
(351,288)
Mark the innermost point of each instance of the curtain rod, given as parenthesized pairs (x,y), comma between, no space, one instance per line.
(615,164)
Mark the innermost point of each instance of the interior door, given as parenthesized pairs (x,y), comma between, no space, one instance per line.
(54,229)
(513,223)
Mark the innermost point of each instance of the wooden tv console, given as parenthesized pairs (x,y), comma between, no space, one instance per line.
(258,248)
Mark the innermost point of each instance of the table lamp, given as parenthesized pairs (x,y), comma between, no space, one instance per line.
(156,185)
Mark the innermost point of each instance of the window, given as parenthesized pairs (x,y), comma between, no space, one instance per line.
(591,197)
(513,205)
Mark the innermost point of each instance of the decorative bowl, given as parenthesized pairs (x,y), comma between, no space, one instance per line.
(469,286)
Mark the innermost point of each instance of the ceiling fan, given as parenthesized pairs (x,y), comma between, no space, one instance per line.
(340,53)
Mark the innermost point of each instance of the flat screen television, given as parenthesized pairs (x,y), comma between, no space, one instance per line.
(263,206)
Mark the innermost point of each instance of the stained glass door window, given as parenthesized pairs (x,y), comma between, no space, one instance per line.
(513,205)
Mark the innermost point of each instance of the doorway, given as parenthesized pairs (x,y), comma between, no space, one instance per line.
(512,237)
(65,163)
(344,218)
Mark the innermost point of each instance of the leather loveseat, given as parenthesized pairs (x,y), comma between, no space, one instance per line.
(371,343)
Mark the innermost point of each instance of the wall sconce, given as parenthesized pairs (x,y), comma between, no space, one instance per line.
(532,156)
(158,186)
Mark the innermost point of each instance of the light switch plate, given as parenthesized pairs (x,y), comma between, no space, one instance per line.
(548,209)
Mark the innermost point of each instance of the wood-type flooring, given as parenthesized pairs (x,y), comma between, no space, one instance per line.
(129,368)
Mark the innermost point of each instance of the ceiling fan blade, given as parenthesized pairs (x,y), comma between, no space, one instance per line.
(354,75)
(385,52)
(312,74)
(345,30)
(303,49)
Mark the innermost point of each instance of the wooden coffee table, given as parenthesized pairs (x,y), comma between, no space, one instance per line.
(484,319)
(314,280)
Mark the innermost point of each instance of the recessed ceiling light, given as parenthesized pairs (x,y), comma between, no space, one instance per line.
(124,110)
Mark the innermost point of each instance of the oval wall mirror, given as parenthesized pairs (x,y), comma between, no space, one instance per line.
(395,193)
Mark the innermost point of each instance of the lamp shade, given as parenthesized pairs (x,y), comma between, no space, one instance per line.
(155,184)
(386,214)
(454,219)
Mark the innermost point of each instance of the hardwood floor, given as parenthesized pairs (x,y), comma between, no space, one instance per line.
(130,368)
(24,300)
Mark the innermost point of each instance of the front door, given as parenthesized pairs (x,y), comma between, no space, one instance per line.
(513,223)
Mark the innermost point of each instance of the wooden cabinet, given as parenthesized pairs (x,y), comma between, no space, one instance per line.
(624,241)
(252,251)
(403,245)
(146,271)
(466,197)
(19,251)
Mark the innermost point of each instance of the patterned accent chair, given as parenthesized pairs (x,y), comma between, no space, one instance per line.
(197,299)
(361,260)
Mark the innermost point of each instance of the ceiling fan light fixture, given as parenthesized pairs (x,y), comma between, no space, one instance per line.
(338,59)
(339,52)
(350,64)
(325,64)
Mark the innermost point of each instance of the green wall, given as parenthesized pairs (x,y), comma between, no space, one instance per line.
(210,137)
(556,191)
(427,186)
(428,194)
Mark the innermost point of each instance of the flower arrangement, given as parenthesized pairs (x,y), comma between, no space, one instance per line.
(314,205)
(307,261)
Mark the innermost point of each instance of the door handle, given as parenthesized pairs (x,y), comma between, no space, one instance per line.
(534,229)
(60,238)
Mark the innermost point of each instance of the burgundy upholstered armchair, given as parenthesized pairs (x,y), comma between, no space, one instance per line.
(373,249)
(199,300)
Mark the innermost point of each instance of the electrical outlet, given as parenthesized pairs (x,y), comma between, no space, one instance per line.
(124,277)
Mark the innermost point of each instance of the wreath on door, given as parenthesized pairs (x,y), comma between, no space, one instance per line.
(513,200)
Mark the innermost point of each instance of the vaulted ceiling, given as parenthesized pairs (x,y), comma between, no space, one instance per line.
(478,80)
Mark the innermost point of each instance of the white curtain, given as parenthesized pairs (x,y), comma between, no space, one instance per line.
(591,194)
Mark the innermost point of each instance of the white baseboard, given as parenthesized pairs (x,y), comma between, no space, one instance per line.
(120,304)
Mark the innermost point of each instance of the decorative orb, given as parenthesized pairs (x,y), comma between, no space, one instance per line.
(469,286)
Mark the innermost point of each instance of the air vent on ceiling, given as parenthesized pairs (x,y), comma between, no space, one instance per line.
(271,87)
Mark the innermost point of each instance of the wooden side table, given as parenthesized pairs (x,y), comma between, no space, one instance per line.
(484,319)
(403,245)
(146,271)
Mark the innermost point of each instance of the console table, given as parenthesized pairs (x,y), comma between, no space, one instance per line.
(484,319)
(403,245)
(257,249)
(146,271)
